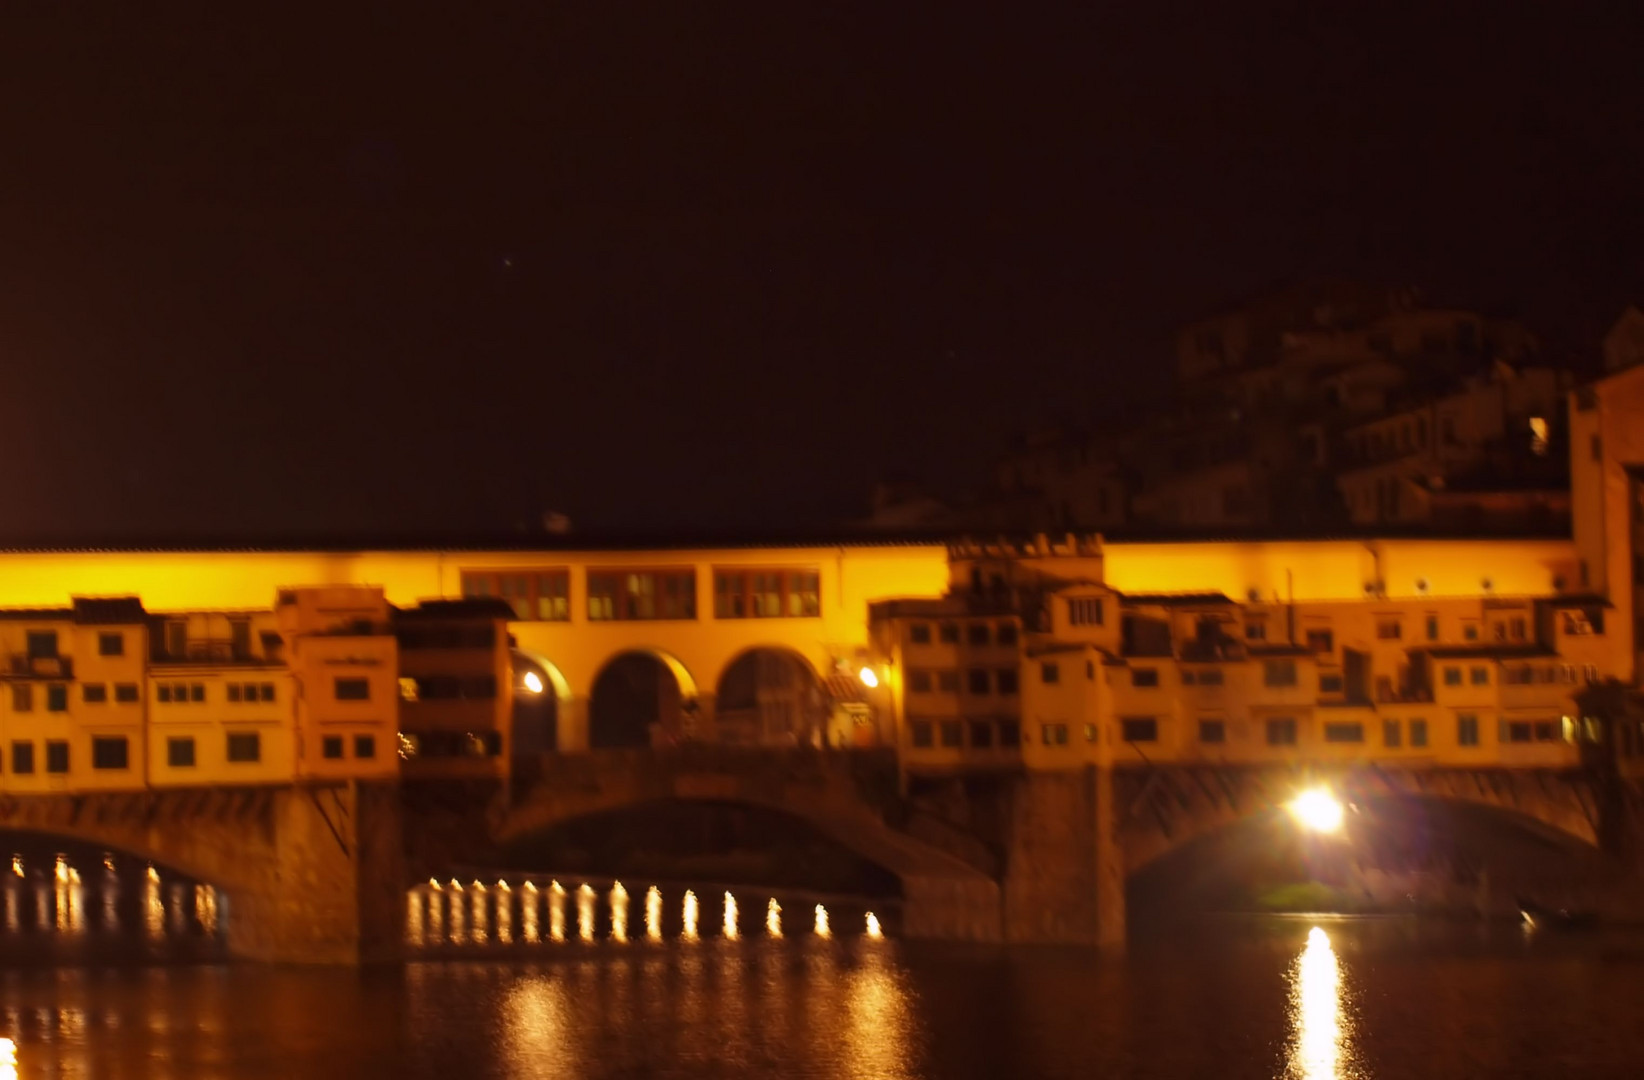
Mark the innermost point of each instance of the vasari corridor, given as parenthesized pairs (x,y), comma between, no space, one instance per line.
(843,542)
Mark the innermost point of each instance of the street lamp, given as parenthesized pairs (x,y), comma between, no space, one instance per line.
(533,682)
(1316,809)
(869,677)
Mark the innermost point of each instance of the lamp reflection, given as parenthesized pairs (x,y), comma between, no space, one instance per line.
(1321,1044)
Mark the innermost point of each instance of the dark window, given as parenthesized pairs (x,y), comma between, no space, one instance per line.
(353,689)
(1389,629)
(162,692)
(1452,676)
(109,752)
(125,692)
(977,681)
(947,681)
(1209,676)
(1344,732)
(919,633)
(1010,733)
(331,746)
(94,693)
(1279,672)
(365,746)
(540,595)
(1049,672)
(1432,628)
(177,639)
(766,594)
(22,757)
(1005,680)
(981,734)
(1144,676)
(1470,631)
(1418,733)
(1090,733)
(1212,731)
(1480,676)
(267,689)
(920,732)
(949,633)
(1391,733)
(56,698)
(1085,611)
(239,638)
(196,692)
(57,756)
(245,746)
(919,682)
(952,733)
(1256,629)
(1053,734)
(480,688)
(1330,684)
(111,644)
(1006,634)
(22,697)
(180,752)
(1139,729)
(1467,730)
(1281,732)
(628,596)
(977,634)
(1321,641)
(1517,731)
(234,691)
(42,644)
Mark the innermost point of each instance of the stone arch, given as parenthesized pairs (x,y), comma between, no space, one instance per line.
(641,697)
(537,713)
(769,695)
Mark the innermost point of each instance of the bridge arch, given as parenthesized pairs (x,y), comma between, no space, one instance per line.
(769,695)
(640,696)
(542,701)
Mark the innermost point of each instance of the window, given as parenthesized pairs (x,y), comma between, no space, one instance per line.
(245,746)
(42,644)
(331,746)
(919,681)
(93,693)
(267,691)
(1005,680)
(1321,641)
(125,692)
(978,634)
(1090,733)
(1343,732)
(1006,634)
(1209,676)
(1090,669)
(109,752)
(353,689)
(952,732)
(621,596)
(1049,672)
(1452,676)
(947,681)
(57,756)
(1212,731)
(1053,734)
(1281,731)
(1255,629)
(196,692)
(162,692)
(176,639)
(948,633)
(111,644)
(1330,684)
(977,681)
(1389,629)
(22,697)
(233,691)
(1391,733)
(1516,628)
(981,734)
(1467,730)
(1085,611)
(22,758)
(535,595)
(919,633)
(180,752)
(1418,732)
(1010,733)
(919,731)
(1517,731)
(1480,676)
(57,698)
(1144,676)
(1139,729)
(1470,631)
(365,746)
(1279,672)
(766,594)
(1432,628)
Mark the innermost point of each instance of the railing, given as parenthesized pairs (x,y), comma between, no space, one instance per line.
(208,651)
(42,667)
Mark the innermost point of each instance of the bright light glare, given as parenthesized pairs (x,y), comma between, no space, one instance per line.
(533,682)
(1318,810)
(868,677)
(1322,1036)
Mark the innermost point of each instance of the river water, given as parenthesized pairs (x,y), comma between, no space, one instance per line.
(1212,997)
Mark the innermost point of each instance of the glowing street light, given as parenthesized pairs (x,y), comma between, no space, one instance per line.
(1318,810)
(533,682)
(869,678)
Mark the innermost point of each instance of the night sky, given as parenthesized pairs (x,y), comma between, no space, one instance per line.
(681,265)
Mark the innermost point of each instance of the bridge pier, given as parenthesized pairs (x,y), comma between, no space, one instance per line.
(1064,876)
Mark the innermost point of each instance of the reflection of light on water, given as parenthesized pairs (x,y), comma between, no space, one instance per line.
(773,918)
(17,865)
(413,916)
(878,1018)
(505,913)
(730,917)
(8,1060)
(689,933)
(42,907)
(11,906)
(476,927)
(528,903)
(458,914)
(653,913)
(619,912)
(154,909)
(1320,1044)
(61,871)
(205,906)
(822,929)
(556,911)
(538,1035)
(873,926)
(585,912)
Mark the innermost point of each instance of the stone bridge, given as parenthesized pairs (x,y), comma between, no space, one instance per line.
(310,874)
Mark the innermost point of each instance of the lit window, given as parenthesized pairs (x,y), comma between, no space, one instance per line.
(1539,442)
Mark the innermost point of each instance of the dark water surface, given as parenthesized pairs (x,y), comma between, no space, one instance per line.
(1214,998)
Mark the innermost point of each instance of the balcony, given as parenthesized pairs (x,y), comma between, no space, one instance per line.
(209,651)
(41,667)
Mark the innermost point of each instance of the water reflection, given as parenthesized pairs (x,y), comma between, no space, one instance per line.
(689,915)
(556,911)
(730,917)
(585,912)
(773,918)
(653,913)
(1320,1047)
(822,929)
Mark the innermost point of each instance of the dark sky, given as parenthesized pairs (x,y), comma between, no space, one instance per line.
(692,265)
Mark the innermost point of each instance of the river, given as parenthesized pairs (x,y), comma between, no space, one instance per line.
(1211,997)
